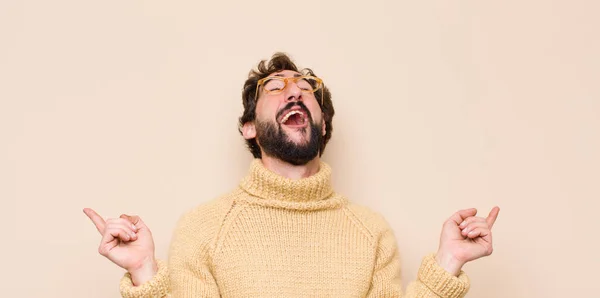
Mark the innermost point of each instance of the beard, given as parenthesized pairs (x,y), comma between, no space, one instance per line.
(274,141)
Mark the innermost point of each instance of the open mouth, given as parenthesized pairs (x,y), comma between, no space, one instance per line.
(294,118)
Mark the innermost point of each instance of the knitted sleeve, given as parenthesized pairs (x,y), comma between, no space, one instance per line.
(432,280)
(190,256)
(158,286)
(386,274)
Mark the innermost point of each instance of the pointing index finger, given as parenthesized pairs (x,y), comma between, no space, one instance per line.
(96,219)
(491,219)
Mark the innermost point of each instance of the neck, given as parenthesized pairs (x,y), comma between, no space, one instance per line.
(291,171)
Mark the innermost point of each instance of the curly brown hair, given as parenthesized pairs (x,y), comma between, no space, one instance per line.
(280,62)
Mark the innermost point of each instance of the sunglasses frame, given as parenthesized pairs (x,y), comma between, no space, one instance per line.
(285,82)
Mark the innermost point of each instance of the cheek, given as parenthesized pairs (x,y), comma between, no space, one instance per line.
(316,112)
(264,111)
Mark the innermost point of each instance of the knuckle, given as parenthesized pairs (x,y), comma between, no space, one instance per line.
(121,220)
(117,224)
(126,224)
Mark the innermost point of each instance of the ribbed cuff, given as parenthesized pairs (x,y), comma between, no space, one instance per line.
(158,286)
(440,281)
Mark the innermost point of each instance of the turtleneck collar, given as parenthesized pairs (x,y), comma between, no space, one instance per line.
(314,192)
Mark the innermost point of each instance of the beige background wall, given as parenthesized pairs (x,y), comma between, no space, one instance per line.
(131,107)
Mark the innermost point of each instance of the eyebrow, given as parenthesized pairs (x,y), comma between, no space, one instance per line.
(281,75)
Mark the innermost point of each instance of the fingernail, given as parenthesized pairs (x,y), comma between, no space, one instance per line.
(133,227)
(462,224)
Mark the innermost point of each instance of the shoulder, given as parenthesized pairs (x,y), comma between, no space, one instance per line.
(370,220)
(201,225)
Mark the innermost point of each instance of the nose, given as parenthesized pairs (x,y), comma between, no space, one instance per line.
(293,92)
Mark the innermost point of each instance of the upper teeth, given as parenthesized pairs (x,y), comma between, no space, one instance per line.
(289,114)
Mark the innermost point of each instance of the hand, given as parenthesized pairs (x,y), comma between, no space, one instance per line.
(127,242)
(465,237)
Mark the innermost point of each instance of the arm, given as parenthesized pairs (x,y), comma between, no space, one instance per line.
(190,262)
(464,238)
(189,269)
(157,286)
(432,280)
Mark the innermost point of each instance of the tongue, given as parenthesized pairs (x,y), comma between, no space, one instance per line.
(295,119)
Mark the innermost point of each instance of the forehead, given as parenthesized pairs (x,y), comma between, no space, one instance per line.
(286,74)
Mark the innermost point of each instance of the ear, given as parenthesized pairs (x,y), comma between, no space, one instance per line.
(249,130)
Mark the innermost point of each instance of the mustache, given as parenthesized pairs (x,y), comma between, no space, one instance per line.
(291,105)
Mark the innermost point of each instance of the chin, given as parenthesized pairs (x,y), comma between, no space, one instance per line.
(299,139)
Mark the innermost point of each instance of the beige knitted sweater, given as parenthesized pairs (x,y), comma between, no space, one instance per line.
(277,237)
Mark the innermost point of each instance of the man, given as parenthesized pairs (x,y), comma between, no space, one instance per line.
(284,232)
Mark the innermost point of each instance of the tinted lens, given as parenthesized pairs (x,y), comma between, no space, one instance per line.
(305,84)
(274,85)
